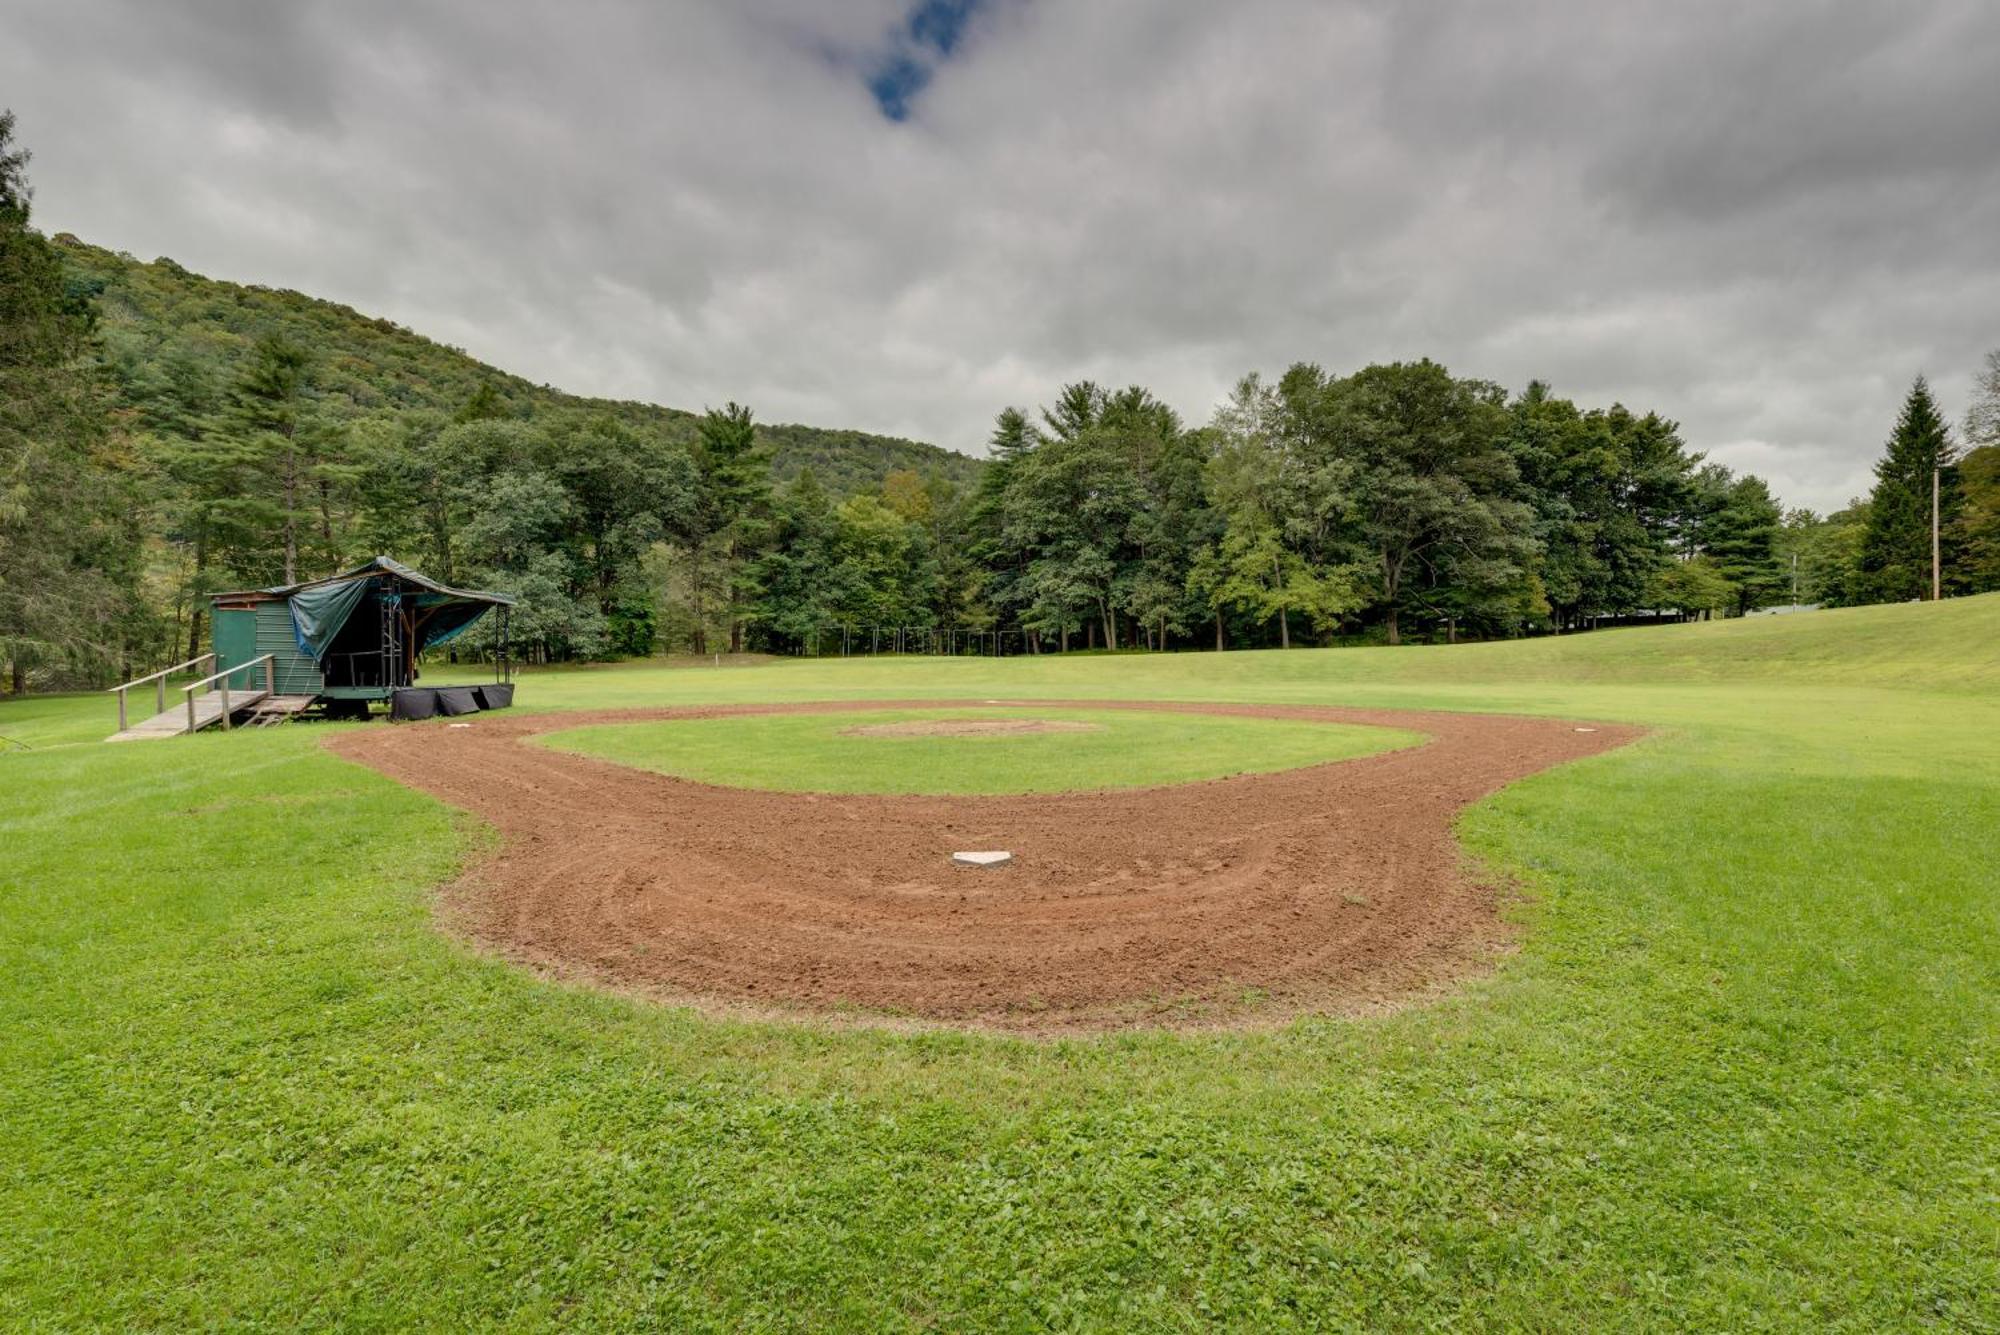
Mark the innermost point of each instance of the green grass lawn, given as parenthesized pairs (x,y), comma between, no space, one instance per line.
(819,753)
(1744,1072)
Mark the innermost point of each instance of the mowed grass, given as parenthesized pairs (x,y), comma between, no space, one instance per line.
(822,753)
(1743,1073)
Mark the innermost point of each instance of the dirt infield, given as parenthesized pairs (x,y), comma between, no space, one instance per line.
(991,727)
(1336,887)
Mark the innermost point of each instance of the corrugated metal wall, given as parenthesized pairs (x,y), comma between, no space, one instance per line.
(296,673)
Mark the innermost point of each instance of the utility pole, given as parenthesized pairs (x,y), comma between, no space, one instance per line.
(1936,582)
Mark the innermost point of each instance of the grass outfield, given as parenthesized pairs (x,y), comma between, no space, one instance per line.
(1743,1073)
(813,753)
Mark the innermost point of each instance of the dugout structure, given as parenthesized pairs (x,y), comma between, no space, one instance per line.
(353,637)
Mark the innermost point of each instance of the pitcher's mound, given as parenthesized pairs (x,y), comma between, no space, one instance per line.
(991,727)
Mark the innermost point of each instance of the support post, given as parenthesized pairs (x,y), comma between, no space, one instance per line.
(1937,582)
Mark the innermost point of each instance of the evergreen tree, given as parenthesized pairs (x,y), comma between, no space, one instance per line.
(800,575)
(1979,478)
(1741,536)
(1070,505)
(1604,487)
(1978,537)
(69,536)
(1013,435)
(1895,559)
(1075,411)
(263,427)
(998,560)
(484,405)
(735,498)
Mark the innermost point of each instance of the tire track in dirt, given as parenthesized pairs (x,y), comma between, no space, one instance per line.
(1335,887)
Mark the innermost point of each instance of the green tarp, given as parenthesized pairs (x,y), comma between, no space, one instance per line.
(321,607)
(320,610)
(442,617)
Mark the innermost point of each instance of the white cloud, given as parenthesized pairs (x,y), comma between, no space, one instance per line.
(1758,220)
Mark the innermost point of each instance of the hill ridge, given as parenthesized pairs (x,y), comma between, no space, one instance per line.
(162,323)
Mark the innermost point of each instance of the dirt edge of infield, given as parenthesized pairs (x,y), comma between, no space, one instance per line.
(1243,901)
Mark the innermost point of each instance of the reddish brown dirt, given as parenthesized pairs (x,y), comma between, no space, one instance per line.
(1336,887)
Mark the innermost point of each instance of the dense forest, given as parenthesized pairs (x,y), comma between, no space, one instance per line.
(164,436)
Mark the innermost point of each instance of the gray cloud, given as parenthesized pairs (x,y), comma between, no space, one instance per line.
(1761,220)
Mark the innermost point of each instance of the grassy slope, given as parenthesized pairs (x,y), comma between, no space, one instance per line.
(811,753)
(1742,1074)
(150,314)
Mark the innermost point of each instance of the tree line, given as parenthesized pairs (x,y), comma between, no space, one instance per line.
(1880,547)
(1396,502)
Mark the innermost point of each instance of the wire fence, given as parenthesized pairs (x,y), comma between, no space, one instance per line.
(847,641)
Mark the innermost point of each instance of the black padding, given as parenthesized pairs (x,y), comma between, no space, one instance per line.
(495,695)
(456,700)
(415,702)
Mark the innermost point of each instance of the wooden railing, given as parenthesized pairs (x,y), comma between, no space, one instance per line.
(222,678)
(159,680)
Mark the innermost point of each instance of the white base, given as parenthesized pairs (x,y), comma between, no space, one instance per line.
(992,859)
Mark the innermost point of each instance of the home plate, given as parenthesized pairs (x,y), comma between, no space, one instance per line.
(992,859)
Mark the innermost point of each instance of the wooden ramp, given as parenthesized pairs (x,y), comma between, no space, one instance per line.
(262,708)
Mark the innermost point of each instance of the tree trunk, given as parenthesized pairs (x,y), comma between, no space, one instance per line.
(291,519)
(1219,645)
(1392,581)
(195,595)
(1451,630)
(17,677)
(1284,630)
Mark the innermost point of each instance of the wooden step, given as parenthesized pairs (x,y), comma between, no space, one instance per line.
(279,709)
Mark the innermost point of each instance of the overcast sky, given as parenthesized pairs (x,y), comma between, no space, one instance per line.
(1759,219)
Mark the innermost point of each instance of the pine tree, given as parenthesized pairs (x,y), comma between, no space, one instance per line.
(736,493)
(69,542)
(483,405)
(1013,435)
(264,426)
(1896,548)
(1741,538)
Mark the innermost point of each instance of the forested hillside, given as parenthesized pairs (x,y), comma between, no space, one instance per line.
(164,436)
(175,340)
